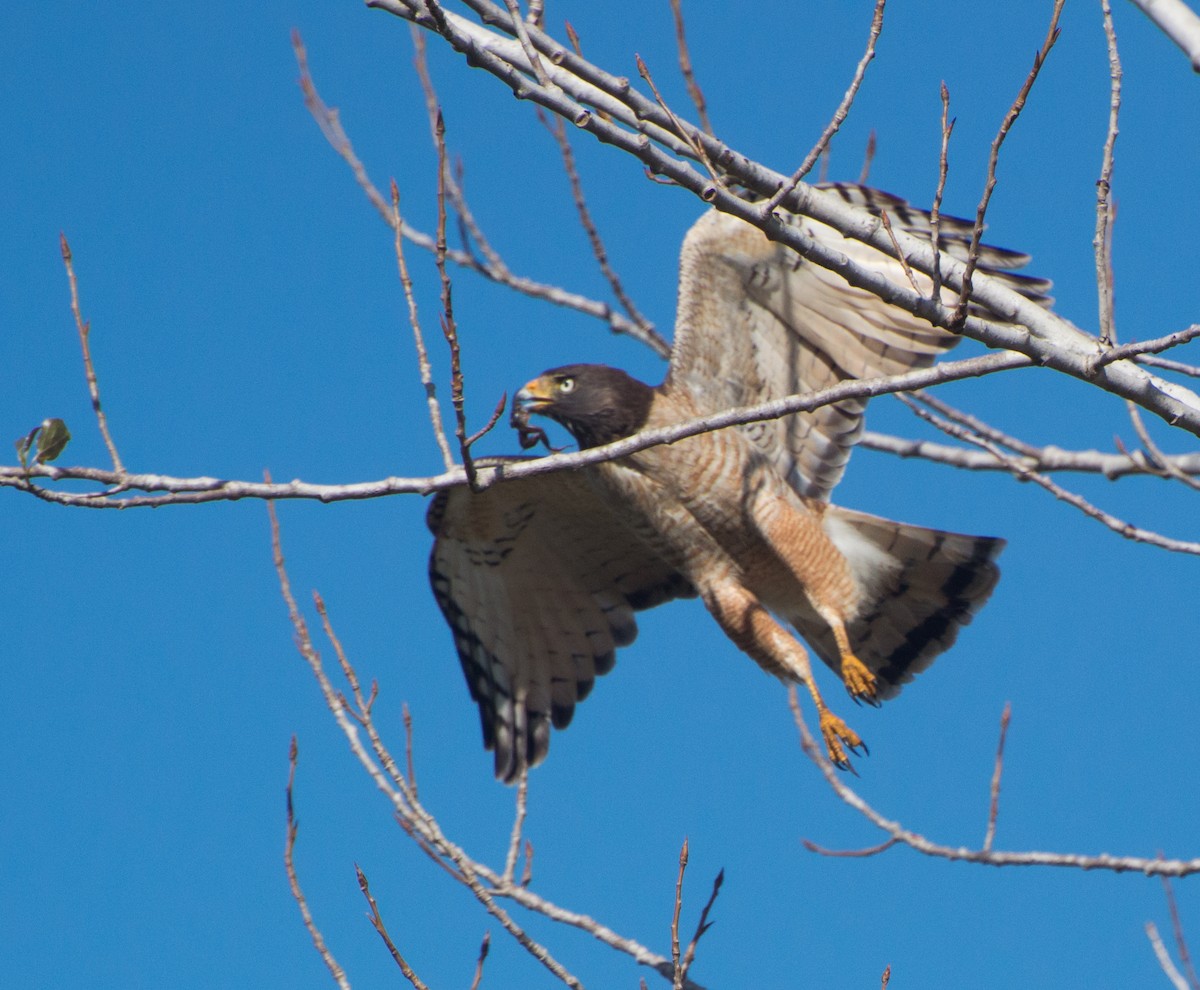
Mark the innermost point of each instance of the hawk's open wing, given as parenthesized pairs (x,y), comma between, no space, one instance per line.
(539,581)
(757,322)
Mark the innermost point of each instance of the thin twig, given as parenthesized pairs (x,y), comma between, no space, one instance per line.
(1102,241)
(492,267)
(868,158)
(558,130)
(89,369)
(449,328)
(1023,473)
(1150,866)
(972,423)
(484,946)
(839,115)
(423,366)
(1181,946)
(1138,348)
(1155,455)
(1190,370)
(849,853)
(1010,118)
(887,225)
(675,955)
(935,211)
(994,806)
(684,132)
(514,841)
(685,68)
(386,776)
(377,923)
(289,863)
(406,716)
(1164,957)
(702,926)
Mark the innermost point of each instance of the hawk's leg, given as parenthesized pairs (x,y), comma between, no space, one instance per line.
(796,535)
(748,623)
(859,681)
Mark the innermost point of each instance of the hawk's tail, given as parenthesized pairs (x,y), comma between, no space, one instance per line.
(918,587)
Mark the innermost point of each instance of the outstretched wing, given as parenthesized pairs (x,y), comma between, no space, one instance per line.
(539,581)
(757,322)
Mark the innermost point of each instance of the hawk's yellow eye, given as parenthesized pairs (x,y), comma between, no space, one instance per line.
(566,384)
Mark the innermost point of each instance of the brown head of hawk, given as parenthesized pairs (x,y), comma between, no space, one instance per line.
(539,578)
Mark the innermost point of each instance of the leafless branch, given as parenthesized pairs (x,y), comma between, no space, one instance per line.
(675,952)
(835,123)
(702,926)
(449,328)
(1045,459)
(1164,957)
(1010,118)
(377,923)
(514,842)
(685,68)
(935,211)
(192,490)
(1102,242)
(994,806)
(558,130)
(423,366)
(1185,957)
(640,127)
(492,267)
(486,884)
(683,132)
(1154,455)
(89,369)
(1118,526)
(484,946)
(1178,22)
(868,158)
(899,835)
(289,862)
(1138,348)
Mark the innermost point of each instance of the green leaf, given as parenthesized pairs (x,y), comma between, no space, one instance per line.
(52,441)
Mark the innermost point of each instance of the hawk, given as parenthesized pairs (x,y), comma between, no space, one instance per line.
(539,578)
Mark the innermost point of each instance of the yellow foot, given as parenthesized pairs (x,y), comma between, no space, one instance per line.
(859,681)
(836,733)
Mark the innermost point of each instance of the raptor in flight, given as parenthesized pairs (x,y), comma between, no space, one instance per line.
(539,578)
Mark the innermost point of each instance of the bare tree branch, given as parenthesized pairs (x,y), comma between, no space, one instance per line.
(1118,526)
(1102,242)
(377,923)
(899,835)
(1178,22)
(192,490)
(289,862)
(994,808)
(1010,118)
(839,116)
(1164,957)
(685,68)
(93,384)
(1045,338)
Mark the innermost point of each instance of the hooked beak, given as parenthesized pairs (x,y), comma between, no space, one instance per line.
(533,397)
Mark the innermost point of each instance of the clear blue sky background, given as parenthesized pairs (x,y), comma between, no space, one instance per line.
(246,315)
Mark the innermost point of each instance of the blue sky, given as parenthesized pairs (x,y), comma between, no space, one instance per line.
(246,315)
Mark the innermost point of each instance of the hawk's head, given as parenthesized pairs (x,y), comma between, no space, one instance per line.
(598,404)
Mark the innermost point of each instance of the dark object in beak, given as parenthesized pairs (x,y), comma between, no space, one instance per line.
(525,403)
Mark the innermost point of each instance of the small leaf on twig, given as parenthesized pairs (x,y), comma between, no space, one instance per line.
(51,437)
